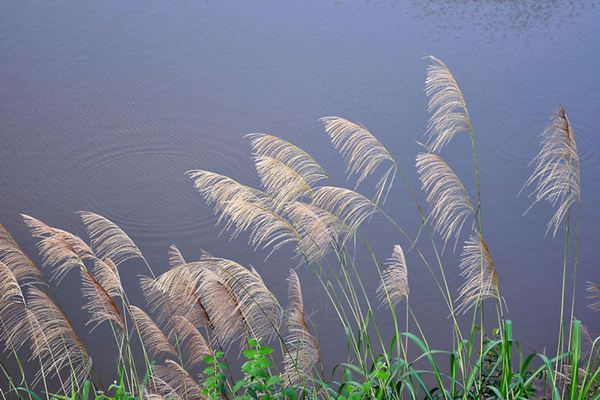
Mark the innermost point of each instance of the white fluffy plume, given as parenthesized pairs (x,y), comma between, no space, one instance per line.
(362,152)
(394,283)
(447,106)
(450,204)
(302,347)
(478,270)
(350,207)
(556,177)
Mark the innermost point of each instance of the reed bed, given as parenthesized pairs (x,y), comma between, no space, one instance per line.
(200,312)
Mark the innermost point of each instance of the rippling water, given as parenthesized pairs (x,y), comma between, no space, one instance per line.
(105,105)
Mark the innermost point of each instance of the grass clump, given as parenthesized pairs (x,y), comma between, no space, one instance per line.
(199,311)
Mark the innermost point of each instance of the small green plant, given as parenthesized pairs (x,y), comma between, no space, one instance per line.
(258,382)
(215,378)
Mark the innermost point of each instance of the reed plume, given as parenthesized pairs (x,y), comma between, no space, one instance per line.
(259,307)
(292,156)
(60,249)
(303,352)
(394,281)
(282,183)
(593,290)
(191,341)
(321,231)
(450,204)
(350,207)
(362,152)
(108,240)
(153,337)
(13,312)
(266,227)
(286,171)
(556,176)
(99,303)
(221,304)
(181,298)
(478,270)
(172,378)
(54,341)
(447,106)
(243,208)
(107,275)
(22,267)
(175,257)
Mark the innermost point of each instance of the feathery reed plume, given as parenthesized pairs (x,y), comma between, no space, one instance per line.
(447,106)
(449,201)
(243,208)
(556,175)
(267,228)
(172,378)
(303,348)
(54,341)
(283,183)
(593,290)
(192,343)
(350,207)
(59,248)
(286,171)
(292,156)
(175,257)
(481,279)
(259,307)
(99,303)
(154,338)
(22,267)
(223,309)
(107,275)
(362,152)
(108,239)
(179,297)
(13,315)
(219,190)
(321,231)
(394,280)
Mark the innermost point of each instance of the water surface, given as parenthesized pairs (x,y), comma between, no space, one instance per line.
(105,105)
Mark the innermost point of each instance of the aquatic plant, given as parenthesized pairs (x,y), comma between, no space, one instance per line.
(198,310)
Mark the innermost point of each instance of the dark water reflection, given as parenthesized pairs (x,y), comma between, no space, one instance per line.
(104,105)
